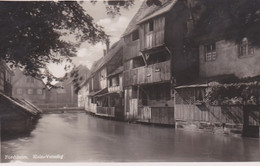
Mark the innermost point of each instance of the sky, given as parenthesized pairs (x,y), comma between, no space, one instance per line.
(87,54)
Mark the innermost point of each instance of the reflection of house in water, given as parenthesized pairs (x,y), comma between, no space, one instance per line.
(29,88)
(66,95)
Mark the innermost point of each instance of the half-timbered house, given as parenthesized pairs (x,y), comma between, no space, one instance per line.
(104,85)
(155,59)
(29,88)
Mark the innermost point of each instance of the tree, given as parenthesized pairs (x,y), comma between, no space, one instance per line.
(235,19)
(32,33)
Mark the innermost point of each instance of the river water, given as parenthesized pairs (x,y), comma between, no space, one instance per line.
(78,137)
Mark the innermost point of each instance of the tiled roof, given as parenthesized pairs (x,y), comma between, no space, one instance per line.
(145,12)
(101,62)
(20,104)
(82,72)
(158,10)
(104,60)
(117,71)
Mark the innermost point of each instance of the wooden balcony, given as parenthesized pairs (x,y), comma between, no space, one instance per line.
(159,72)
(155,37)
(106,111)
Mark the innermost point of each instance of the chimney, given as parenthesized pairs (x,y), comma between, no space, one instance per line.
(107,44)
(104,52)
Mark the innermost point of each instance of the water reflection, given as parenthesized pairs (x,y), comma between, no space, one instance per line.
(80,137)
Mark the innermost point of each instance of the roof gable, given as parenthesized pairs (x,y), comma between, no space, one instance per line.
(145,13)
(105,59)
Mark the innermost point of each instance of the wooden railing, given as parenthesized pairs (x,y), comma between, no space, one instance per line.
(56,105)
(106,111)
(158,72)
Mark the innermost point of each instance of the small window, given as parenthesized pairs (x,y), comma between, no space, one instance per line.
(150,24)
(135,35)
(245,49)
(110,82)
(19,91)
(39,91)
(210,52)
(30,80)
(30,91)
(199,94)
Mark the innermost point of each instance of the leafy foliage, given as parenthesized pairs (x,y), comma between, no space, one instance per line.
(231,19)
(32,34)
(233,94)
(114,7)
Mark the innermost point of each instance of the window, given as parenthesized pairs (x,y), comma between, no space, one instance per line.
(102,75)
(19,91)
(135,35)
(30,91)
(245,49)
(110,82)
(1,80)
(210,52)
(115,81)
(150,25)
(7,77)
(39,91)
(199,94)
(138,62)
(30,80)
(61,90)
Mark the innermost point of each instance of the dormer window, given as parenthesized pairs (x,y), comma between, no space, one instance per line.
(210,52)
(150,26)
(135,35)
(245,49)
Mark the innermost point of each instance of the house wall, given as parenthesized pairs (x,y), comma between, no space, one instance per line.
(5,79)
(2,78)
(130,48)
(191,114)
(155,37)
(99,80)
(82,96)
(88,106)
(131,103)
(156,115)
(229,62)
(22,87)
(158,72)
(169,29)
